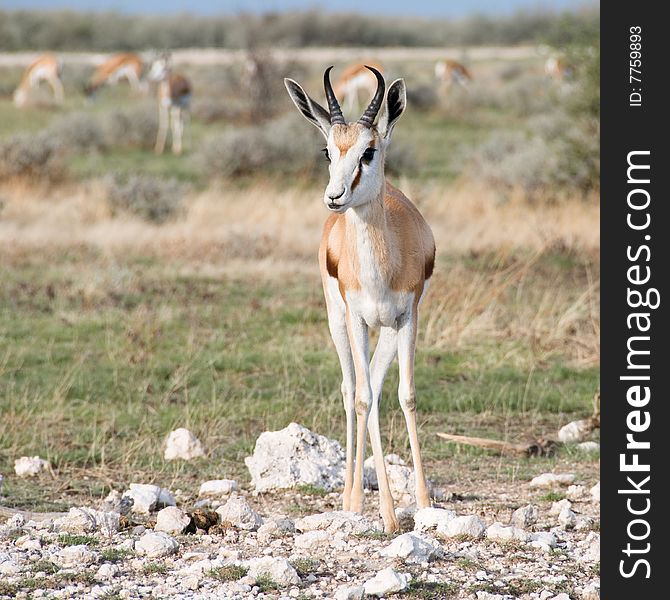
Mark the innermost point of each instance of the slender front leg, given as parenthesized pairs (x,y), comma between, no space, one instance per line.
(385,352)
(338,331)
(357,330)
(177,129)
(57,88)
(162,129)
(407,396)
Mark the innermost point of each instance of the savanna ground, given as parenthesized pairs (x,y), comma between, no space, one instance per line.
(142,293)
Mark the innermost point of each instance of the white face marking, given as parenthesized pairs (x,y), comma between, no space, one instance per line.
(158,70)
(353,180)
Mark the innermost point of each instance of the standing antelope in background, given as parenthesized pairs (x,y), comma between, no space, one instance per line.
(449,71)
(174,100)
(46,68)
(376,257)
(556,68)
(356,78)
(126,65)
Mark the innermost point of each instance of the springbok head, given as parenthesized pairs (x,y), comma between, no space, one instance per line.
(160,67)
(355,151)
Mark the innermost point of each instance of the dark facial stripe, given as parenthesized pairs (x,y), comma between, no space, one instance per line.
(357,179)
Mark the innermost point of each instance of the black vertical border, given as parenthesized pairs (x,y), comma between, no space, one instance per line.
(625,129)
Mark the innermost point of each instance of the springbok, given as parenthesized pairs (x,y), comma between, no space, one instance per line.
(376,257)
(449,71)
(46,68)
(556,68)
(174,100)
(356,79)
(125,65)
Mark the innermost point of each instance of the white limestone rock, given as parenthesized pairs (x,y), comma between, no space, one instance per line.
(312,541)
(74,556)
(87,520)
(350,593)
(182,444)
(156,545)
(506,533)
(588,447)
(295,456)
(216,488)
(544,540)
(567,518)
(558,506)
(426,519)
(552,480)
(239,514)
(30,466)
(412,548)
(525,516)
(172,520)
(147,497)
(336,521)
(595,492)
(386,582)
(574,432)
(279,569)
(468,526)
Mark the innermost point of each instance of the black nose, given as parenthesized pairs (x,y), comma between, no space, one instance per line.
(336,196)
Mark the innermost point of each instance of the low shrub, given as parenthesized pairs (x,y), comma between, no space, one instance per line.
(132,128)
(153,199)
(35,156)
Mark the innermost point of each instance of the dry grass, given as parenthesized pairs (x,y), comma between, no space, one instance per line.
(283,226)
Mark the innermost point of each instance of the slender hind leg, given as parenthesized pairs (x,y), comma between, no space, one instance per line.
(383,357)
(177,129)
(407,397)
(57,88)
(163,116)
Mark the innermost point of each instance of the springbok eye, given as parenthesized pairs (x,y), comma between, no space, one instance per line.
(368,155)
(325,151)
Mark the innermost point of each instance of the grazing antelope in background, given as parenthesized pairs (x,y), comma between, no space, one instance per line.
(126,65)
(555,67)
(449,71)
(174,100)
(46,68)
(356,78)
(376,258)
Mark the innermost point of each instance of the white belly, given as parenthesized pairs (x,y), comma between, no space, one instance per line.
(380,308)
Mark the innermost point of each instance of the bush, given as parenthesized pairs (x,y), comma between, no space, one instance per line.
(284,145)
(134,128)
(36,156)
(78,132)
(153,199)
(423,97)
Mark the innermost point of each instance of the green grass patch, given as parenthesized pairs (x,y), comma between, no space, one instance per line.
(431,590)
(114,555)
(69,539)
(229,572)
(265,583)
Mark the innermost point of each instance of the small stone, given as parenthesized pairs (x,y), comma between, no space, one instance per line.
(9,567)
(468,526)
(588,447)
(386,582)
(426,519)
(172,520)
(583,523)
(575,431)
(525,516)
(30,466)
(591,591)
(557,507)
(551,480)
(182,444)
(544,540)
(349,523)
(107,571)
(405,516)
(239,514)
(506,533)
(576,492)
(147,497)
(595,492)
(312,541)
(567,519)
(156,545)
(74,556)
(350,593)
(279,569)
(561,596)
(216,488)
(412,548)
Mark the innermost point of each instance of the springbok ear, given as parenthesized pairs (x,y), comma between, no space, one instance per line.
(310,109)
(392,109)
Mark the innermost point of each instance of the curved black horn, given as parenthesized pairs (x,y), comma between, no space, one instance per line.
(334,109)
(371,111)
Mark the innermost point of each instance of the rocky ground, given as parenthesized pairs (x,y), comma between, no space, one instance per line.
(533,539)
